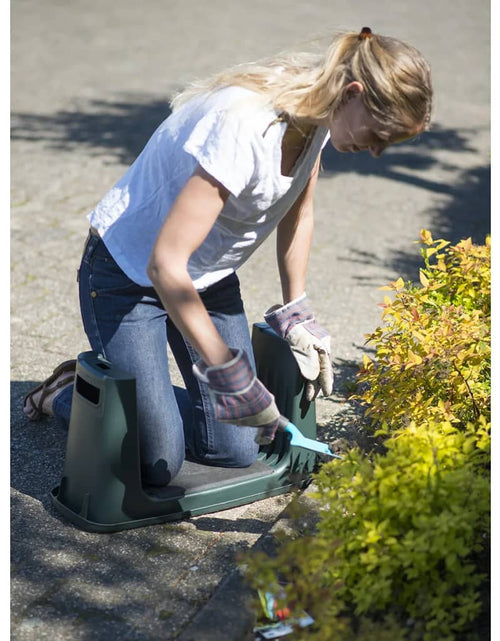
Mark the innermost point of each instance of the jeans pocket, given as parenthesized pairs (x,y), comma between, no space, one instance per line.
(104,273)
(107,277)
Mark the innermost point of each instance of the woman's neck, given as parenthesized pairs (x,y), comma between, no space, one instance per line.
(295,140)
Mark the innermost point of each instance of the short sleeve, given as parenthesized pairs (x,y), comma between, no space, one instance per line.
(227,147)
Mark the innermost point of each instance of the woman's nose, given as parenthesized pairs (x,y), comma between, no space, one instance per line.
(378,149)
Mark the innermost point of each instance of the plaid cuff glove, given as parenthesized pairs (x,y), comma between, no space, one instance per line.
(309,342)
(237,394)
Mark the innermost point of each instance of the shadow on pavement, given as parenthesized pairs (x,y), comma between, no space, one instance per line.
(120,128)
(466,214)
(466,211)
(37,449)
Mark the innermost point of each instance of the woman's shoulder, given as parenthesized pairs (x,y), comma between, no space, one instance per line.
(235,102)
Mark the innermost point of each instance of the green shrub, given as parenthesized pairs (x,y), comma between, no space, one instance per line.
(400,551)
(432,355)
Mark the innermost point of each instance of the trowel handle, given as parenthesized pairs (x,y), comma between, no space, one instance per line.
(265,435)
(283,423)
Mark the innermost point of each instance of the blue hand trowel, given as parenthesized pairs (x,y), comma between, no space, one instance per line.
(299,440)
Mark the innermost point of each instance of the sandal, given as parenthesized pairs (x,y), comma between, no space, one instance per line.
(33,410)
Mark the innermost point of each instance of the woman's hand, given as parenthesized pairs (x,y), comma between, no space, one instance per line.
(238,396)
(309,342)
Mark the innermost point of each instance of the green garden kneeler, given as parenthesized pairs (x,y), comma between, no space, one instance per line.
(101,489)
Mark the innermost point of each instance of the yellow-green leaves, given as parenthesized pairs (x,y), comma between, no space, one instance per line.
(423,279)
(434,346)
(400,551)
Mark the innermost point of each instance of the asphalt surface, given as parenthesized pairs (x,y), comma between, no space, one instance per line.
(90,82)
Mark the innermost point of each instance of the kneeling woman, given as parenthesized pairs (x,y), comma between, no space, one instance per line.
(238,157)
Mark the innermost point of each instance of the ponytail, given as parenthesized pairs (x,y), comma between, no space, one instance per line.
(395,77)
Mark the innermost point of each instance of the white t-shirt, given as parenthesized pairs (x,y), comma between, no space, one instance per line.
(228,133)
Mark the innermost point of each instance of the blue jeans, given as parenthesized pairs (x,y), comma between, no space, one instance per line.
(128,325)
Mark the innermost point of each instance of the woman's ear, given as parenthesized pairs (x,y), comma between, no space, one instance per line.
(352,90)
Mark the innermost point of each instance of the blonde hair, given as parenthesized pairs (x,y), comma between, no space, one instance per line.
(395,76)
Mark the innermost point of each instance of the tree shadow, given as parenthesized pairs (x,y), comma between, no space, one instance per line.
(467,204)
(37,449)
(122,127)
(118,128)
(413,155)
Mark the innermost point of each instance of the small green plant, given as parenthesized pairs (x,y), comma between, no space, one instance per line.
(400,550)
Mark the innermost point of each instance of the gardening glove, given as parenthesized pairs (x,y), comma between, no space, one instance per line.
(309,342)
(238,396)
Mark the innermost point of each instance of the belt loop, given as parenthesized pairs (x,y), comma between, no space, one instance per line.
(89,245)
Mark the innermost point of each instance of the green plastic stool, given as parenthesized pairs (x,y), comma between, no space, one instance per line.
(101,489)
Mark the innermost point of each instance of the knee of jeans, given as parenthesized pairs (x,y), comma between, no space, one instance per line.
(159,473)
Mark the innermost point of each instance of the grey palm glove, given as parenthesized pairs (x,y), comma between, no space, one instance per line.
(309,342)
(238,396)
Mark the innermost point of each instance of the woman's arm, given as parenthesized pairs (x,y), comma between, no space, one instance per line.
(294,237)
(192,216)
(294,320)
(237,395)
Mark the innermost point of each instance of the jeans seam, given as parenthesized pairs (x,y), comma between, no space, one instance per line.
(206,401)
(90,263)
(96,326)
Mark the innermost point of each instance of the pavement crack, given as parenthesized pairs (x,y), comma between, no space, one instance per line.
(203,553)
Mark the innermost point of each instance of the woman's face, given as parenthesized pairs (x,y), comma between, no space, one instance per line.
(354,129)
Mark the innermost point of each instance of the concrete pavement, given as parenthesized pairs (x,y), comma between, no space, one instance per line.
(90,81)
